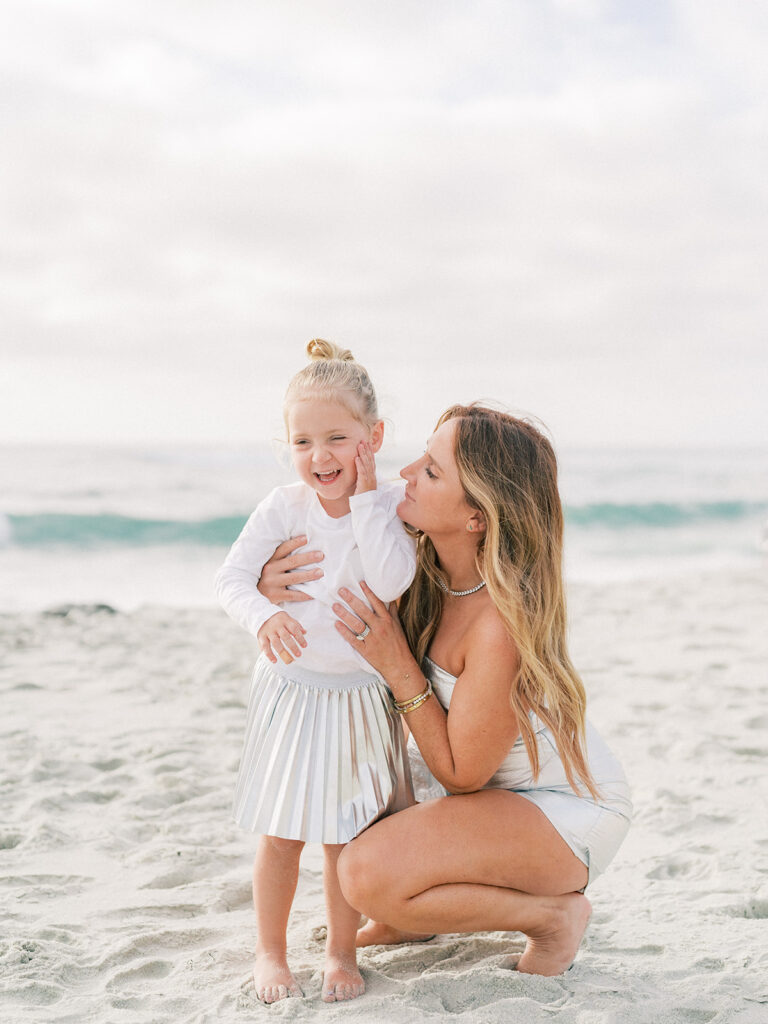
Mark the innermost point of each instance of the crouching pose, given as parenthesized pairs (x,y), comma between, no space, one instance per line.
(523,803)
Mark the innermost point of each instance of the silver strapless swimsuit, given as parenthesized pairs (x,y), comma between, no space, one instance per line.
(593,829)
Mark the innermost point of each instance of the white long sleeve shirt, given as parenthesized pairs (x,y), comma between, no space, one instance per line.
(370,543)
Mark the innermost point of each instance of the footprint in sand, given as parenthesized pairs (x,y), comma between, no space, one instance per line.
(672,868)
(35,888)
(108,765)
(155,911)
(647,950)
(171,879)
(94,796)
(137,977)
(756,909)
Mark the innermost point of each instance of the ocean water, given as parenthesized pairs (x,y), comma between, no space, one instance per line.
(128,527)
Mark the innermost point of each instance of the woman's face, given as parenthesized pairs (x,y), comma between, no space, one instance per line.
(434,498)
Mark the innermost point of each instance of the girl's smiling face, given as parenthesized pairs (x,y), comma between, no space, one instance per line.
(324,437)
(434,497)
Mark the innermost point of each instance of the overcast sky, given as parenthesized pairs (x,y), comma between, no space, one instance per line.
(561,205)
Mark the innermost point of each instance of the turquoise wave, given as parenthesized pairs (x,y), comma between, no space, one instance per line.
(88,531)
(661,514)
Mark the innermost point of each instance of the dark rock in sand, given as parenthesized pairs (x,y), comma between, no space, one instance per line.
(63,610)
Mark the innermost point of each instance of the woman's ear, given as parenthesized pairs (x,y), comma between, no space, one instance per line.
(476,523)
(377,435)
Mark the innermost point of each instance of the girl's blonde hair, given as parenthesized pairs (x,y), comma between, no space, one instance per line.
(508,471)
(333,374)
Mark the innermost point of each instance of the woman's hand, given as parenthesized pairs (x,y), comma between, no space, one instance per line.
(384,645)
(282,570)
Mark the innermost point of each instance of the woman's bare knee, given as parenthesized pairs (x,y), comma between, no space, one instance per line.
(360,876)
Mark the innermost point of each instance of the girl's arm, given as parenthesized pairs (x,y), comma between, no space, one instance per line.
(387,552)
(464,747)
(237,579)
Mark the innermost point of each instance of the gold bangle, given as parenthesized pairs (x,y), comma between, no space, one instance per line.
(416,704)
(404,707)
(409,700)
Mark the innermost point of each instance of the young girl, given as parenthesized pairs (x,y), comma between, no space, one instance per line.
(324,756)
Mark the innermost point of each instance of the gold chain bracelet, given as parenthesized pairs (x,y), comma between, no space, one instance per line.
(404,707)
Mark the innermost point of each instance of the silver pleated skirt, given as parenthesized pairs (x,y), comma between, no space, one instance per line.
(323,758)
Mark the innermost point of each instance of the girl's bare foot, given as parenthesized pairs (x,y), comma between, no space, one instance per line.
(272,978)
(552,949)
(376,934)
(341,978)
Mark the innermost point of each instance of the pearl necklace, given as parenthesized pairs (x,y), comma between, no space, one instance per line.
(460,593)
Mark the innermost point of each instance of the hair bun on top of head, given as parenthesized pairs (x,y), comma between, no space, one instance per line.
(334,374)
(320,349)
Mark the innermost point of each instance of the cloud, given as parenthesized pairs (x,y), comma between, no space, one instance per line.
(484,194)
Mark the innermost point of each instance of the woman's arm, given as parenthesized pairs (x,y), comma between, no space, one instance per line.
(462,748)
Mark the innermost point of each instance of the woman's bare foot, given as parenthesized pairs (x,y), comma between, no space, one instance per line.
(552,949)
(272,978)
(341,978)
(376,934)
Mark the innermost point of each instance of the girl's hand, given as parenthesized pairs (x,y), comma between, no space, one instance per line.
(281,571)
(365,463)
(384,645)
(281,635)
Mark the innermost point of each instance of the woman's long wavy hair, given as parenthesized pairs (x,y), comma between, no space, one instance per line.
(508,471)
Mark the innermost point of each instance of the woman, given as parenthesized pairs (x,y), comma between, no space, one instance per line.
(478,665)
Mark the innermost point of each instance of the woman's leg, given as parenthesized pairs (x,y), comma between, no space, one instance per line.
(482,861)
(341,977)
(275,874)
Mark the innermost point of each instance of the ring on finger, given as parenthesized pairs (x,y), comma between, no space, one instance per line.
(364,634)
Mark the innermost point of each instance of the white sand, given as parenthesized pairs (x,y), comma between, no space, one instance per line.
(126,889)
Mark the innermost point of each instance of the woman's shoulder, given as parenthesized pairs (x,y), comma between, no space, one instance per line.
(489,663)
(478,636)
(488,641)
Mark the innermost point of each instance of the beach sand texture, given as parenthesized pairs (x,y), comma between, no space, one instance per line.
(126,888)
